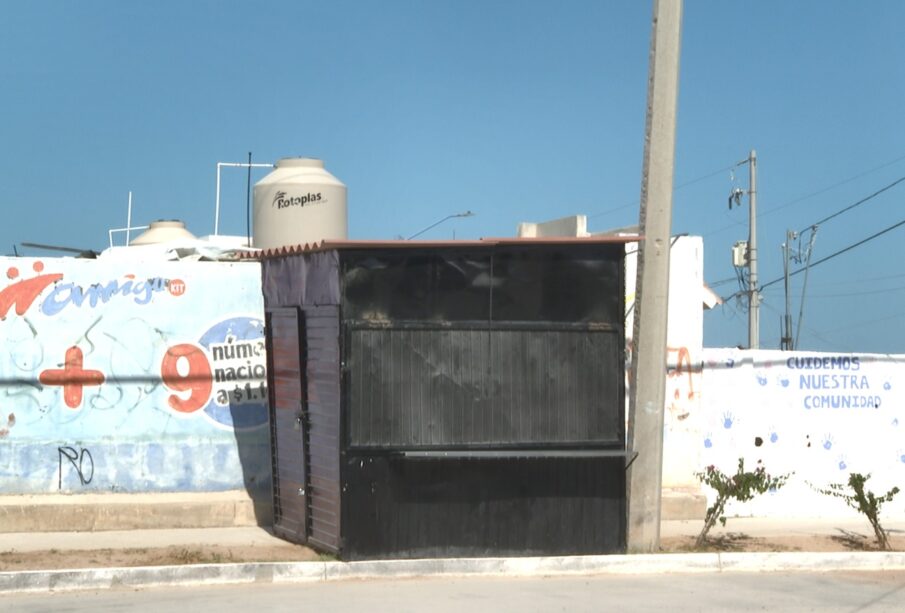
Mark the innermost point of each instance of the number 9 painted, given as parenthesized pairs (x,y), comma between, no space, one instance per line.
(198,380)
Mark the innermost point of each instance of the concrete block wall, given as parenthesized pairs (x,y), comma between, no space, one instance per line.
(121,377)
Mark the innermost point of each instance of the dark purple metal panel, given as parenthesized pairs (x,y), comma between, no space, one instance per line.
(287,424)
(301,280)
(309,283)
(322,373)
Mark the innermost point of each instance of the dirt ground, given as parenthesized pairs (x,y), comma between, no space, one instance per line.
(189,554)
(213,554)
(741,542)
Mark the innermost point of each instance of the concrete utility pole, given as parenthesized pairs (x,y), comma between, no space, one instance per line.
(753,296)
(785,341)
(645,424)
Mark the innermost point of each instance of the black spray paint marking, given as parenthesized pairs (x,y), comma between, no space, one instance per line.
(77,459)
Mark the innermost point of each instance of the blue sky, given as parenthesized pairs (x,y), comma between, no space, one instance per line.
(519,111)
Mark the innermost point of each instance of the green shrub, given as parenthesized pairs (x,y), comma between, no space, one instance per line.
(741,486)
(864,502)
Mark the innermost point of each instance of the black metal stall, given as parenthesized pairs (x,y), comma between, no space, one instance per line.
(448,399)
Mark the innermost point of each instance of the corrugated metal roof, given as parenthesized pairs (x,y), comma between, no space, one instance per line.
(410,244)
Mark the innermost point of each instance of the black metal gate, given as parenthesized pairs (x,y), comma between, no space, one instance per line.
(288,422)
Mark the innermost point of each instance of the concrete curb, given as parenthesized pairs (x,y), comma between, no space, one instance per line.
(308,572)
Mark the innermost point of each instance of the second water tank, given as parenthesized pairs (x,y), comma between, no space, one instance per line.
(299,202)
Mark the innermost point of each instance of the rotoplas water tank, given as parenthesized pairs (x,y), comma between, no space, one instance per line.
(299,202)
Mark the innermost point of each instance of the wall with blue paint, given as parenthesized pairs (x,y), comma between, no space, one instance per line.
(131,377)
(819,415)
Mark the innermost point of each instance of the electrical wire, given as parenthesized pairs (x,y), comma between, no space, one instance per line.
(829,217)
(722,282)
(866,293)
(861,324)
(825,219)
(861,280)
(851,206)
(818,192)
(676,188)
(829,257)
(840,252)
(834,185)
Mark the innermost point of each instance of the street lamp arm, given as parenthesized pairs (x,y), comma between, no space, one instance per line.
(437,223)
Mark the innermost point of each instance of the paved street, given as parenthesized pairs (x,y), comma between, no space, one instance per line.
(849,592)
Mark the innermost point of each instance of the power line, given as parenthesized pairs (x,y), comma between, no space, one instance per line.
(829,257)
(865,293)
(851,206)
(825,219)
(861,280)
(830,284)
(722,281)
(814,193)
(704,177)
(887,290)
(676,188)
(868,322)
(840,252)
(835,185)
(813,227)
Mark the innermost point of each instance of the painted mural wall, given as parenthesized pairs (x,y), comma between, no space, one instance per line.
(818,415)
(131,377)
(685,334)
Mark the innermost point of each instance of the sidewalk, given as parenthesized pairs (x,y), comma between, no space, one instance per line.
(253,554)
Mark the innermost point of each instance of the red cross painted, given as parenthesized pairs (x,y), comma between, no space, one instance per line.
(72,377)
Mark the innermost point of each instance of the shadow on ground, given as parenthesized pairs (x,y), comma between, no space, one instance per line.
(725,542)
(855,541)
(731,541)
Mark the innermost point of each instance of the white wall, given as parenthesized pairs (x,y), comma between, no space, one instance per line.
(820,415)
(685,332)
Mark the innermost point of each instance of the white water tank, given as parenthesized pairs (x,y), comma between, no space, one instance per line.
(297,203)
(163,231)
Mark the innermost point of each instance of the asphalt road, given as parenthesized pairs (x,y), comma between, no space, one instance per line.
(849,592)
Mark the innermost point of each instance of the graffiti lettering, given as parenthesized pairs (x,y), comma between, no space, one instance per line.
(77,459)
(680,382)
(841,402)
(835,363)
(67,294)
(829,382)
(24,293)
(683,365)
